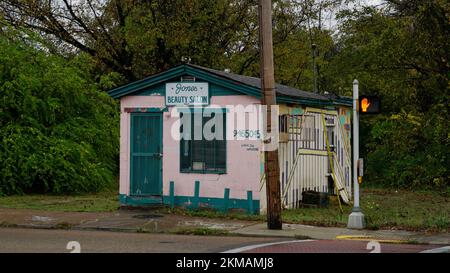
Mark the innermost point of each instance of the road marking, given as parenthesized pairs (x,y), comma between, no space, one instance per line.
(445,249)
(370,238)
(250,247)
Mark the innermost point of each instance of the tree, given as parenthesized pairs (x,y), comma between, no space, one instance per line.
(58,134)
(86,25)
(136,38)
(400,52)
(133,38)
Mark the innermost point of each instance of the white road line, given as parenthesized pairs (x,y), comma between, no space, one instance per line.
(250,247)
(445,249)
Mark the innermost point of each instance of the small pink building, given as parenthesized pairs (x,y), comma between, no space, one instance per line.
(190,136)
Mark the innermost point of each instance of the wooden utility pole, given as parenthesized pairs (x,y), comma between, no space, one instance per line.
(271,167)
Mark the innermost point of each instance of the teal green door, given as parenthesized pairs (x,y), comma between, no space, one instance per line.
(146,154)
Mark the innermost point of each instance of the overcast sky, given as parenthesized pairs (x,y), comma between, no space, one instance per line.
(330,21)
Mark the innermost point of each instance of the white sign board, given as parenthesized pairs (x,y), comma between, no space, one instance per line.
(187,93)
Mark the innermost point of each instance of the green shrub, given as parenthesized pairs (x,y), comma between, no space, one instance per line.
(58,134)
(409,151)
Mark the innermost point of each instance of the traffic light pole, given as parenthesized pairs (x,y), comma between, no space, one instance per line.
(356,218)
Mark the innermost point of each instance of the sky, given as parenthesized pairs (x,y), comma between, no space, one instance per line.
(330,20)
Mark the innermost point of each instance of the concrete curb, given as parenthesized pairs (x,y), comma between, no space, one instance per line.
(330,233)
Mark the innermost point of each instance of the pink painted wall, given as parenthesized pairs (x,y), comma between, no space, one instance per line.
(243,166)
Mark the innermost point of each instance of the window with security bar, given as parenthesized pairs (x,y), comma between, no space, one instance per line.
(199,154)
(330,124)
(295,127)
(309,132)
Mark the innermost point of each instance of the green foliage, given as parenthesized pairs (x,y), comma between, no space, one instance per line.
(400,52)
(57,133)
(402,153)
(416,210)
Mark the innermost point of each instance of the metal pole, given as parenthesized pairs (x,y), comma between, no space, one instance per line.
(271,166)
(355,146)
(356,218)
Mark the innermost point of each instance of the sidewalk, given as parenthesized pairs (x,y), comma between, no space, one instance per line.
(121,220)
(154,221)
(330,233)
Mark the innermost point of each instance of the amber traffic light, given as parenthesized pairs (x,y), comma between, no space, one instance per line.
(369,105)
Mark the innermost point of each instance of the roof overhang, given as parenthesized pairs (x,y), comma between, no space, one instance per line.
(194,71)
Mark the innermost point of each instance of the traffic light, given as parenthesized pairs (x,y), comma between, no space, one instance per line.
(369,105)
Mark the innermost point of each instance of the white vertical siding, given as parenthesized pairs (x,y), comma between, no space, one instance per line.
(311,170)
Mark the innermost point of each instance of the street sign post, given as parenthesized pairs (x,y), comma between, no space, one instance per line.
(356,218)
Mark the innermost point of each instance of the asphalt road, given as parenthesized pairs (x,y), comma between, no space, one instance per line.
(50,241)
(339,246)
(65,241)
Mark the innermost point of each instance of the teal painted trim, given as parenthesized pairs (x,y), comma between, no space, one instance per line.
(131,142)
(161,149)
(155,90)
(156,110)
(297,111)
(138,201)
(172,194)
(147,82)
(344,101)
(122,198)
(215,79)
(214,203)
(196,195)
(250,202)
(226,199)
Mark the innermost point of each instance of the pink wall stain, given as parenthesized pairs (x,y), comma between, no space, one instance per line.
(243,166)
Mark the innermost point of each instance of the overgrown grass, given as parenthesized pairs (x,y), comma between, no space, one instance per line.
(202,231)
(411,210)
(385,208)
(209,213)
(330,216)
(104,201)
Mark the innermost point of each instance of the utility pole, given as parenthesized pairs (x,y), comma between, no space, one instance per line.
(271,166)
(356,218)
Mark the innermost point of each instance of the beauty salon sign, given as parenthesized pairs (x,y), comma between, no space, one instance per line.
(187,93)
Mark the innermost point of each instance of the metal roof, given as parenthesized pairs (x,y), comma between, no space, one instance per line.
(256,82)
(244,84)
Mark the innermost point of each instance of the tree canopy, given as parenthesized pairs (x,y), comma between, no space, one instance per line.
(64,54)
(58,134)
